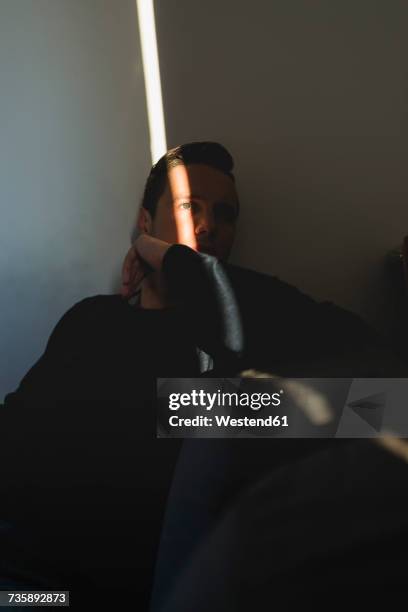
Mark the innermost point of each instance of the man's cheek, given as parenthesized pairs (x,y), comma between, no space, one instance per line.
(166,231)
(224,245)
(185,231)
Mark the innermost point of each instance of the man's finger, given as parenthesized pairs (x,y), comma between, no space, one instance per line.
(130,258)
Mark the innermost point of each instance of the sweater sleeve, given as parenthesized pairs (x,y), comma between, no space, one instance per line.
(199,286)
(289,333)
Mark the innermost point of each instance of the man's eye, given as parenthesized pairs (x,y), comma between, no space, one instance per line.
(186,205)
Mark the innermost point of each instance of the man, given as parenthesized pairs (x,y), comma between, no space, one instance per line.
(86,481)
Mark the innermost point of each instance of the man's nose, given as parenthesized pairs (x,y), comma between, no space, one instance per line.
(205,222)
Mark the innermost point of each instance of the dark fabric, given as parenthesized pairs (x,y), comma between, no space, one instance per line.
(84,479)
(200,286)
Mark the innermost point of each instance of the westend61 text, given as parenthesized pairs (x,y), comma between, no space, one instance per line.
(227,421)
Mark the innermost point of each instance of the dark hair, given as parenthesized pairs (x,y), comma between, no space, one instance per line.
(210,153)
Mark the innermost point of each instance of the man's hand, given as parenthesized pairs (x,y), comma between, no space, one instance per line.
(134,271)
(146,255)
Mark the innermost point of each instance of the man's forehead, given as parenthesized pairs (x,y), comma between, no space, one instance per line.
(200,182)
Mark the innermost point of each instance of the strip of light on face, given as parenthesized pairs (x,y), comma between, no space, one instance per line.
(150,58)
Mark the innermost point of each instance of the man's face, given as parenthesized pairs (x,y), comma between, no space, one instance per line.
(199,209)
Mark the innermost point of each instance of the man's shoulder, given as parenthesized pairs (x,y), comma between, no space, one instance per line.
(98,302)
(89,312)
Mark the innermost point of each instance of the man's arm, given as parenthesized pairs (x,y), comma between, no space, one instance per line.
(198,286)
(290,333)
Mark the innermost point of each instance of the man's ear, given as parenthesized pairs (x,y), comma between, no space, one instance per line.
(144,221)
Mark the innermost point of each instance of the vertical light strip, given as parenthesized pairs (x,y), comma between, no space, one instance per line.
(150,58)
